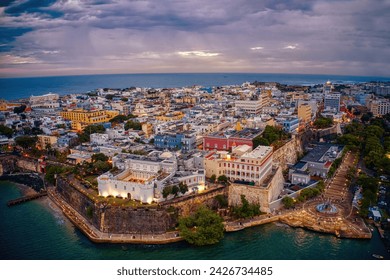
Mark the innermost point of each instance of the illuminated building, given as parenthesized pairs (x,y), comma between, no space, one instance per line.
(81,118)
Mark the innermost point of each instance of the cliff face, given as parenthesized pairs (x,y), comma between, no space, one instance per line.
(115,219)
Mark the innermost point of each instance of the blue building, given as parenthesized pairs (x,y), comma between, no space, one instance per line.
(291,125)
(185,141)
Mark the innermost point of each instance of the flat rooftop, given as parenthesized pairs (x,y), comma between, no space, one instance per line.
(260,152)
(319,151)
(246,133)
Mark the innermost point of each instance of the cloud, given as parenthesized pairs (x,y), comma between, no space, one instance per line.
(290,47)
(93,36)
(198,53)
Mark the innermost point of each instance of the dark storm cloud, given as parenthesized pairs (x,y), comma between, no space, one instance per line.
(340,37)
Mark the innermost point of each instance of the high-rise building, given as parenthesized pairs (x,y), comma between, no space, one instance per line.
(332,102)
(304,112)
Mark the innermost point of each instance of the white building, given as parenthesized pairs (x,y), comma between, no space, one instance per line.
(249,106)
(379,107)
(47,101)
(242,165)
(332,102)
(99,138)
(144,177)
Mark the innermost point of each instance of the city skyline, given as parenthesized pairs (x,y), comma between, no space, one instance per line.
(105,37)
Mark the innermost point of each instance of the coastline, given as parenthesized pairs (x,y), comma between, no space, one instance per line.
(100,237)
(59,207)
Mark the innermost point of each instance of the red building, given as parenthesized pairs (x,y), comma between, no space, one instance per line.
(221,142)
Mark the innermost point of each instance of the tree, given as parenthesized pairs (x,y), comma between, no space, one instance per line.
(246,210)
(99,156)
(51,171)
(124,99)
(260,141)
(323,122)
(26,142)
(204,227)
(90,129)
(6,131)
(20,109)
(102,166)
(223,179)
(213,178)
(288,202)
(119,119)
(222,201)
(183,187)
(175,190)
(166,191)
(133,125)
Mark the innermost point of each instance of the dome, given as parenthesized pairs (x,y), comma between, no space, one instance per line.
(166,155)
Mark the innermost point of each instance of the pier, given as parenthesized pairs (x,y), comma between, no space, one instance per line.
(26,198)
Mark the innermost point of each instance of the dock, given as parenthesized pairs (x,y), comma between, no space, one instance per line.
(26,198)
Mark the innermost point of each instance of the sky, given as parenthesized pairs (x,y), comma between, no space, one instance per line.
(73,37)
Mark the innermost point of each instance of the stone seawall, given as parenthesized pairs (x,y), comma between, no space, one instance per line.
(258,195)
(115,219)
(288,153)
(11,163)
(187,205)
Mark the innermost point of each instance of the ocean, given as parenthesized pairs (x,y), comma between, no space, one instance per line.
(15,88)
(38,230)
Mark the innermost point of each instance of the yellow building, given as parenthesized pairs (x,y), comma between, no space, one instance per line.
(46,140)
(174,116)
(81,118)
(5,106)
(304,113)
(148,129)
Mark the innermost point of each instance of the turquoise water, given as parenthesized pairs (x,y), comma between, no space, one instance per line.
(13,88)
(34,231)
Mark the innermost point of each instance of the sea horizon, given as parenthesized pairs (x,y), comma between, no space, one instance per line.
(186,73)
(23,87)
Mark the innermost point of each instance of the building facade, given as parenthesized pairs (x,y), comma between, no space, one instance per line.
(252,167)
(222,142)
(379,107)
(332,101)
(304,113)
(81,118)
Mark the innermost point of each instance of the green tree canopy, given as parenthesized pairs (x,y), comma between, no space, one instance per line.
(119,119)
(223,179)
(288,202)
(99,156)
(323,122)
(204,227)
(136,125)
(90,129)
(26,142)
(246,210)
(183,187)
(6,131)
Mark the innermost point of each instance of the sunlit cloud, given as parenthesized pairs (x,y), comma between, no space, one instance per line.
(290,47)
(257,48)
(198,53)
(13,59)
